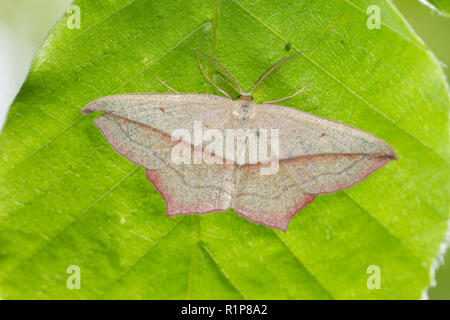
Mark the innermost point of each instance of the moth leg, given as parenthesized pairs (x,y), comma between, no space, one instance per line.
(167,86)
(221,67)
(211,81)
(288,97)
(272,68)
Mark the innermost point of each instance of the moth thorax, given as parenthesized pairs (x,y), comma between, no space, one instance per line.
(244,110)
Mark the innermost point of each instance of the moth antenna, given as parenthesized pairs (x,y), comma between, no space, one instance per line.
(167,86)
(272,68)
(211,81)
(221,67)
(288,97)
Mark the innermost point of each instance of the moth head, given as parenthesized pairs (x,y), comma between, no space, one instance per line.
(245,97)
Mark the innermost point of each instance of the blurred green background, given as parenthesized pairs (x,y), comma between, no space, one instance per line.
(24,24)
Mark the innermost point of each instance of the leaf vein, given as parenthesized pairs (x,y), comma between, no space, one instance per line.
(222,271)
(384,227)
(303,266)
(89,28)
(154,245)
(67,226)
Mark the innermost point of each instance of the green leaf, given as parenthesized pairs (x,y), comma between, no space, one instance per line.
(442,6)
(66,198)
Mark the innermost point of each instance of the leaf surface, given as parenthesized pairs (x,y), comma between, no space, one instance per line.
(66,198)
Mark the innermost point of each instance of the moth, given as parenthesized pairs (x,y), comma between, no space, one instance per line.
(312,155)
